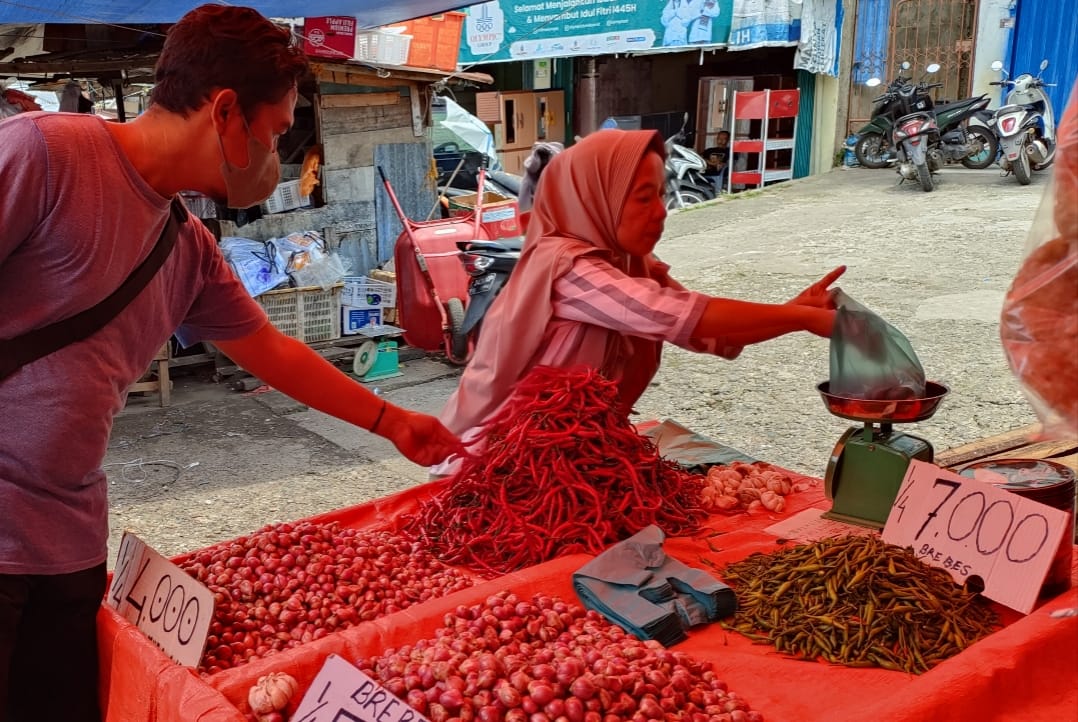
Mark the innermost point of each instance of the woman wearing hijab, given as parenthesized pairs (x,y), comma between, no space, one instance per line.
(588,289)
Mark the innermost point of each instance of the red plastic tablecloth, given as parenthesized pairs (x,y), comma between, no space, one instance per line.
(1027,671)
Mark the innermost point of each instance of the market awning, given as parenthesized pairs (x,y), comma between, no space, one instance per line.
(371,13)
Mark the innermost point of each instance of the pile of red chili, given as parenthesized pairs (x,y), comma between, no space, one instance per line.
(561,471)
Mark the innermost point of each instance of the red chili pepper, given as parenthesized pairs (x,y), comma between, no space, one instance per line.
(561,471)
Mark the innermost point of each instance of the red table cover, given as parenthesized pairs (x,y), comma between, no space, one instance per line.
(1028,670)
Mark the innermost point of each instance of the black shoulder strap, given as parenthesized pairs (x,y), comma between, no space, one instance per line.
(32,345)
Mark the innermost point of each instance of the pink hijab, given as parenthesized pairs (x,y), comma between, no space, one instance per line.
(577,211)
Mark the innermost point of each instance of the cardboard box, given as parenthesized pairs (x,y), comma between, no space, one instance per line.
(435,40)
(353,319)
(500,216)
(332,36)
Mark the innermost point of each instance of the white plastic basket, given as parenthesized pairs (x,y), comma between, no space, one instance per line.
(364,292)
(378,46)
(309,314)
(285,198)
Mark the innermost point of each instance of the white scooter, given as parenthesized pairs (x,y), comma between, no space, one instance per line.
(1025,125)
(685,179)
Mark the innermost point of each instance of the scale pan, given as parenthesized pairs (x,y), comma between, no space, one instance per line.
(885,410)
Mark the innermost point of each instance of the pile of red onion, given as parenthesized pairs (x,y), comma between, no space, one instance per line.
(544,660)
(288,584)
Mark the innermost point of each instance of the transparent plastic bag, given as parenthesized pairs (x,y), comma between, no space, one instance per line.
(1039,322)
(870,358)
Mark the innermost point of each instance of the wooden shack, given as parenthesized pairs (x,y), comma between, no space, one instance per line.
(362,117)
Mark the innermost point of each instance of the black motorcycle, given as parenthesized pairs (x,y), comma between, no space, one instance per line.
(971,145)
(489,263)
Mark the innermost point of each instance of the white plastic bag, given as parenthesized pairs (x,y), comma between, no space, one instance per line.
(257,264)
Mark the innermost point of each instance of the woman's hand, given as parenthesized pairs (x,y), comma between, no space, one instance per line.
(818,295)
(420,437)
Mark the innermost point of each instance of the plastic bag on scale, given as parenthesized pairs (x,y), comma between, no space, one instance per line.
(870,358)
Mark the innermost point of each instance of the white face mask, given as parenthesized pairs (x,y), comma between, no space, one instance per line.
(246,187)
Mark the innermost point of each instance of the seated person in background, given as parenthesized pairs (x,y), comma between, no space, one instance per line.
(718,160)
(588,289)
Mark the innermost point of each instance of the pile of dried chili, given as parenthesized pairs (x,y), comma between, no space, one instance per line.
(561,471)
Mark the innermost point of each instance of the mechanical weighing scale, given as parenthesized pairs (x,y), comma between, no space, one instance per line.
(868,463)
(376,358)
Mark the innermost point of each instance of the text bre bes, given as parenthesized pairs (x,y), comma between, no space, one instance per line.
(948,562)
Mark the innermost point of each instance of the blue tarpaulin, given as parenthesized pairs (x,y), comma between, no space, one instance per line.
(371,13)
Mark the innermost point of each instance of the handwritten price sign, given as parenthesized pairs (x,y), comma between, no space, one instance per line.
(341,693)
(971,528)
(170,607)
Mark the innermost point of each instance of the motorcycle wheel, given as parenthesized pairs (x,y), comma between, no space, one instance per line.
(458,340)
(989,149)
(871,150)
(924,175)
(1021,167)
(691,198)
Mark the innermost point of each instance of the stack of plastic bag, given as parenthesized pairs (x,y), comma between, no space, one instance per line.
(637,586)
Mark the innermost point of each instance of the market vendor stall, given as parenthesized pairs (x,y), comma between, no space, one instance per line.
(1026,670)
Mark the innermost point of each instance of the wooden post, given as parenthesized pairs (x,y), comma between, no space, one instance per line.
(419,126)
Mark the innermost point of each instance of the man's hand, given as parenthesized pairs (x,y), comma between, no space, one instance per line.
(818,295)
(421,438)
(293,368)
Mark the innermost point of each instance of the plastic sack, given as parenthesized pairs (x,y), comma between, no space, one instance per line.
(1039,322)
(257,264)
(326,271)
(299,249)
(870,358)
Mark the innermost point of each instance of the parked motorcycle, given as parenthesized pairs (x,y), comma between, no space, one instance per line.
(489,264)
(974,146)
(1025,124)
(686,183)
(873,146)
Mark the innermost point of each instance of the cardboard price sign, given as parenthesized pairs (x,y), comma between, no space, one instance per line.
(170,607)
(971,528)
(341,693)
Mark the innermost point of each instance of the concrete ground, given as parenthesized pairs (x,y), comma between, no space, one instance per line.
(218,463)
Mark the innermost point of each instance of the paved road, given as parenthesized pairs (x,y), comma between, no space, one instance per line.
(934,264)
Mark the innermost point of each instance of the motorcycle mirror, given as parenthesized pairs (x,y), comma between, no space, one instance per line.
(872,82)
(1044,63)
(933,68)
(906,65)
(997,65)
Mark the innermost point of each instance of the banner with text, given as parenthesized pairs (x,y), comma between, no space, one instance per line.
(504,30)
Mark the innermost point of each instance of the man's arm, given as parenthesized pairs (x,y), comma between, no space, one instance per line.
(293,368)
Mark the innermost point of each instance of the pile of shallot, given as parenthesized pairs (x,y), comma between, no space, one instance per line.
(748,487)
(545,660)
(288,584)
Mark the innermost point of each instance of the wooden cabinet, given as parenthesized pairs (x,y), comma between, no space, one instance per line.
(521,119)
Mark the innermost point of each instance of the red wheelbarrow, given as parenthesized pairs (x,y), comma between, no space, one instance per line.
(432,285)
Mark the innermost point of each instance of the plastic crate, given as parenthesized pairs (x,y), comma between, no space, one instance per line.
(285,198)
(309,314)
(435,40)
(377,46)
(364,292)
